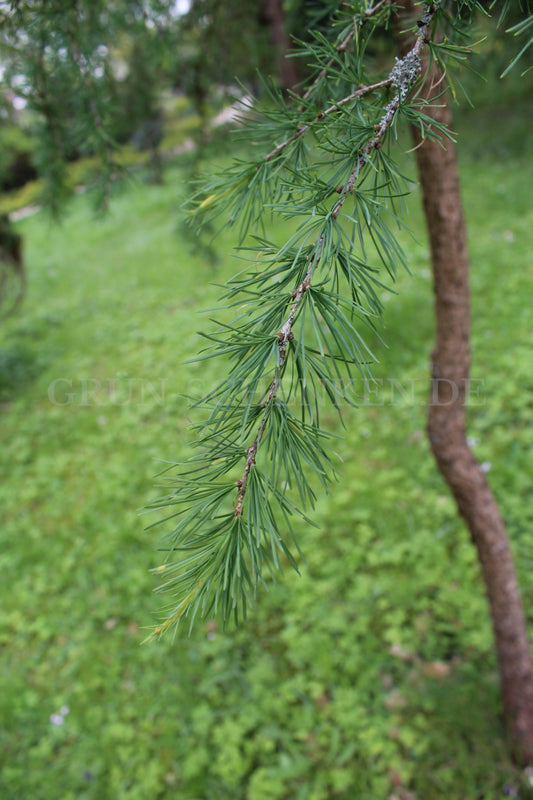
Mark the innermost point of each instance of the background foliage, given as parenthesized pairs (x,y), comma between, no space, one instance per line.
(372,674)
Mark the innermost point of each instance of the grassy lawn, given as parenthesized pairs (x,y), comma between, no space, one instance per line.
(372,675)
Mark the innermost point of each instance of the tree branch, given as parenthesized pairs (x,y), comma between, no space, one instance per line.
(402,76)
(369,12)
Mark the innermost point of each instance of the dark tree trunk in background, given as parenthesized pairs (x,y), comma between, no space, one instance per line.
(439,179)
(275,18)
(12,273)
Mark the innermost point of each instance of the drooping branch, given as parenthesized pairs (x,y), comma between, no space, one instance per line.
(403,76)
(360,92)
(228,530)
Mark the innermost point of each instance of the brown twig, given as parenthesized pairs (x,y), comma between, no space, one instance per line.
(344,45)
(362,90)
(370,11)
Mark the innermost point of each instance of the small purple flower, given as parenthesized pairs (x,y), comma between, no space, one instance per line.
(59,718)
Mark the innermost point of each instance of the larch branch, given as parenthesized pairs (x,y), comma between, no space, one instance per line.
(402,76)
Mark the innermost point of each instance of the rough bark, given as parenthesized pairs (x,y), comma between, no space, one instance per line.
(439,179)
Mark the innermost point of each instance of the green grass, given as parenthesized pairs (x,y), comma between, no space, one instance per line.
(372,675)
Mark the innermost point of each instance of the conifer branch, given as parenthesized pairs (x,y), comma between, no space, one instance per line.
(360,92)
(403,75)
(228,530)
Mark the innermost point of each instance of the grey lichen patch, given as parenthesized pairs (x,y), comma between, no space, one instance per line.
(404,73)
(402,76)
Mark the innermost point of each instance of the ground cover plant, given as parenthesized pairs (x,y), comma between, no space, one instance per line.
(299,307)
(379,685)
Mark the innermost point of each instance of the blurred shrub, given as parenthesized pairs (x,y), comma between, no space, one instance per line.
(16,158)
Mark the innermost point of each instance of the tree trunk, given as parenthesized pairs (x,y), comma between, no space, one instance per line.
(273,11)
(439,179)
